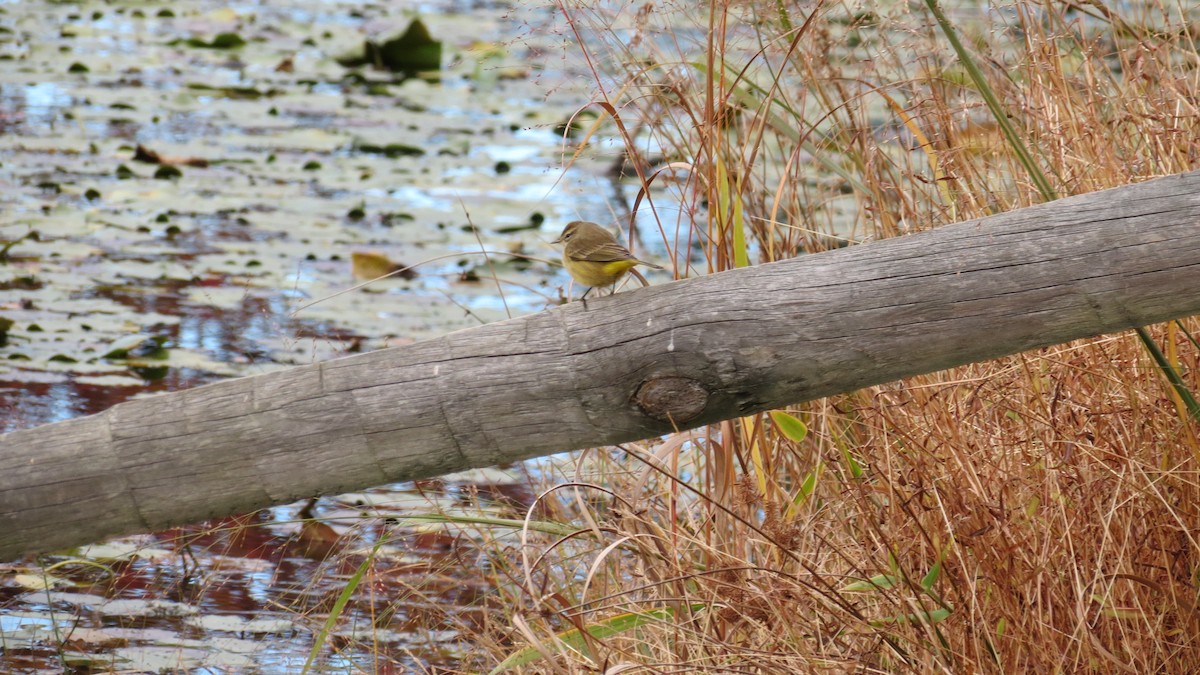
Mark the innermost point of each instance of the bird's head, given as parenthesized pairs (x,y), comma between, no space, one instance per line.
(569,231)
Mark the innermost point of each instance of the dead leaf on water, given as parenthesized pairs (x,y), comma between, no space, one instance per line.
(367,265)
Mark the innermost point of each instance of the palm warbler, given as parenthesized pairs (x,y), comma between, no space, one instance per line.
(594,258)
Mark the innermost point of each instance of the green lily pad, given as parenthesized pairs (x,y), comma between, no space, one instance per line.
(413,51)
(137,347)
(220,41)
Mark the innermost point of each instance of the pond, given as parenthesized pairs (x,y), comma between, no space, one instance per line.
(197,190)
(188,190)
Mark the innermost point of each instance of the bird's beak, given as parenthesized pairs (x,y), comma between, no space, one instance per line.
(557,241)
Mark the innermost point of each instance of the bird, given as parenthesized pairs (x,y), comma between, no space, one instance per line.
(594,257)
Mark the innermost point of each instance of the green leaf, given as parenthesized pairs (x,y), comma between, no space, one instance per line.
(856,469)
(789,425)
(934,616)
(875,583)
(930,579)
(807,487)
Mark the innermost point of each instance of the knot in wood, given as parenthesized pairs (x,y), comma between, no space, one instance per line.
(672,399)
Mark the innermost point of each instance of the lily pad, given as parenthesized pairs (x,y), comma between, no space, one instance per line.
(137,346)
(413,51)
(219,41)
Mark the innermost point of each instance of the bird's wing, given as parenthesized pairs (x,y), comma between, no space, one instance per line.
(606,252)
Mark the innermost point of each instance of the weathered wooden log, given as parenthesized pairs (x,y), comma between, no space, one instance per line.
(620,368)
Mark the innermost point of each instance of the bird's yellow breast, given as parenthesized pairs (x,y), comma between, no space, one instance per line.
(592,273)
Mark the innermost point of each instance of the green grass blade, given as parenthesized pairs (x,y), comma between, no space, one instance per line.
(934,616)
(1189,400)
(931,578)
(573,639)
(542,526)
(993,103)
(339,606)
(729,204)
(1191,338)
(1043,184)
(875,583)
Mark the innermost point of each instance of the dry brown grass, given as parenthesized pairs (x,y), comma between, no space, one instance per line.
(1032,514)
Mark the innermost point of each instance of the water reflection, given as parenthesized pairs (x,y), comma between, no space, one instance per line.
(215,259)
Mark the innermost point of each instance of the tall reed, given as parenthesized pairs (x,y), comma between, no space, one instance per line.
(1037,513)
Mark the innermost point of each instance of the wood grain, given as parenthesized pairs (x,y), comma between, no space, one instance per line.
(625,367)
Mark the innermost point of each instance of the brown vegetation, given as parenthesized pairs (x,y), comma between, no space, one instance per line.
(1032,514)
